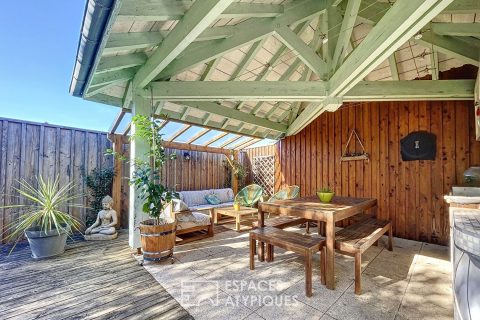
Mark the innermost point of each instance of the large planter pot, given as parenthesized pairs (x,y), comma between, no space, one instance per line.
(157,240)
(46,244)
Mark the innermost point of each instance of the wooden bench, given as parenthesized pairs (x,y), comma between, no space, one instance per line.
(281,222)
(358,237)
(304,245)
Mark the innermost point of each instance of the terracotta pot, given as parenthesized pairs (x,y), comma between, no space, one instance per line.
(157,240)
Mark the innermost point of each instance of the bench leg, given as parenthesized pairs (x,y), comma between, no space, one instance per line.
(358,273)
(307,227)
(390,239)
(323,256)
(308,274)
(253,245)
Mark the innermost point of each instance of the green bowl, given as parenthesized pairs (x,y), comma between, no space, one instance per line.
(325,197)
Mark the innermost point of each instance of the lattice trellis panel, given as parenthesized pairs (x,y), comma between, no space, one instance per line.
(264,173)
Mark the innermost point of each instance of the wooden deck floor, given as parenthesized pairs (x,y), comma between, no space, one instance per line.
(91,280)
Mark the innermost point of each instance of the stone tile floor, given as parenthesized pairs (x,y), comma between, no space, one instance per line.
(211,280)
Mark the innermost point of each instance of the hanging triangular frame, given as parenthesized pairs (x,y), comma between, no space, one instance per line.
(355,155)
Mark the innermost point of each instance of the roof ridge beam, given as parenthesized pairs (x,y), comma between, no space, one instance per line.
(200,16)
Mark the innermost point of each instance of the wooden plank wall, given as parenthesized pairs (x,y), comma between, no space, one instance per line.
(31,149)
(409,193)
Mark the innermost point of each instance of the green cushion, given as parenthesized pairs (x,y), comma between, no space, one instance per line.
(212,199)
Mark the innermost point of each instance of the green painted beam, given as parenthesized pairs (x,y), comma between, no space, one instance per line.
(211,66)
(393,67)
(456,29)
(105,99)
(346,30)
(434,67)
(465,51)
(398,25)
(251,54)
(411,90)
(238,90)
(248,31)
(305,53)
(161,10)
(117,76)
(299,29)
(388,91)
(463,6)
(131,41)
(127,96)
(115,63)
(200,16)
(304,91)
(311,112)
(230,113)
(334,20)
(372,11)
(143,40)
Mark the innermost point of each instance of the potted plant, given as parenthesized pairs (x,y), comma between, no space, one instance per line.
(158,233)
(325,195)
(43,218)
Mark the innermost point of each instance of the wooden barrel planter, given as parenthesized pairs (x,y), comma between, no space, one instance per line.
(157,240)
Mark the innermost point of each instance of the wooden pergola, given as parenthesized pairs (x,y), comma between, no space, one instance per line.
(266,69)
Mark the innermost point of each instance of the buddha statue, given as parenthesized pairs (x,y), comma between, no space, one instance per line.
(104,226)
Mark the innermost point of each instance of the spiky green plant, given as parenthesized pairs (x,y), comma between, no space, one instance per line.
(44,208)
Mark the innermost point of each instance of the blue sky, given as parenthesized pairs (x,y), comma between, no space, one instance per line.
(37,52)
(38,46)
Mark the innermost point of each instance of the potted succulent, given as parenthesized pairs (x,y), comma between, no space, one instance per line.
(325,195)
(44,219)
(158,233)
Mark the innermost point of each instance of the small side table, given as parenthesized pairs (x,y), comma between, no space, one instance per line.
(237,214)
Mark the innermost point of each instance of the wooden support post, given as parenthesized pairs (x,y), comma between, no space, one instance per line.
(234,176)
(117,141)
(138,149)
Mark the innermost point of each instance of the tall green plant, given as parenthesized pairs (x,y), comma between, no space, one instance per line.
(45,208)
(147,176)
(99,183)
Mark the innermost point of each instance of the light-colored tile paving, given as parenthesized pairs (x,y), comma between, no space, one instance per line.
(212,280)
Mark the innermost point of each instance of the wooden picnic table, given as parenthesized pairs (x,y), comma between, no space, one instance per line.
(311,208)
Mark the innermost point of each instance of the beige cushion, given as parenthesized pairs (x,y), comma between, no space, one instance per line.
(179,205)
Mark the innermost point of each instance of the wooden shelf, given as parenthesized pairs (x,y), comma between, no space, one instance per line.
(354,158)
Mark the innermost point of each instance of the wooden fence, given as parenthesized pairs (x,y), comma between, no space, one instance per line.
(410,193)
(191,170)
(29,150)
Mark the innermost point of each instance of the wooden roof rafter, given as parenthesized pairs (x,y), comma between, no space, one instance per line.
(196,49)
